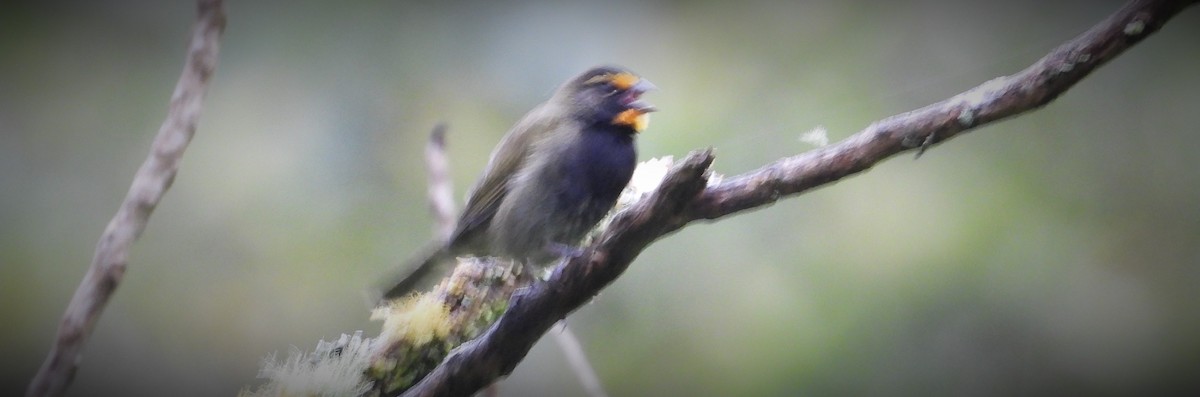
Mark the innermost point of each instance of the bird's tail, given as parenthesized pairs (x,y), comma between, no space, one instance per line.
(418,272)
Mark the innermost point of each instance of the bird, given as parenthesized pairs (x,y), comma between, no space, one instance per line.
(554,175)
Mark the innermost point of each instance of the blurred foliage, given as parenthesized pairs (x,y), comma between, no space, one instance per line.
(1055,252)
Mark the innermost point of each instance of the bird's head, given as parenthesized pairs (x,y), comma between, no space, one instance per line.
(609,94)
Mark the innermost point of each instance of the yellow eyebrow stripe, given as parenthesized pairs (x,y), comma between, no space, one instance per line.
(622,81)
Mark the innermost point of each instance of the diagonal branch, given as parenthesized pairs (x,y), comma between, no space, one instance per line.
(683,197)
(532,311)
(991,101)
(441,204)
(149,184)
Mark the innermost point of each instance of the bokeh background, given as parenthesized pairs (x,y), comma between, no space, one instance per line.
(1057,252)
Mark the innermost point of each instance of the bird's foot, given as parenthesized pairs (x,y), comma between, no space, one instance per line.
(563,250)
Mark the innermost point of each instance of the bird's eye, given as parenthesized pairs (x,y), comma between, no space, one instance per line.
(609,83)
(610,89)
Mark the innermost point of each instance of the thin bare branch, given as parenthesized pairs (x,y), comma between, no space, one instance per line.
(149,184)
(579,362)
(441,191)
(441,204)
(683,198)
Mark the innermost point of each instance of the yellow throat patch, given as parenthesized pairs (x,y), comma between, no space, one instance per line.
(634,118)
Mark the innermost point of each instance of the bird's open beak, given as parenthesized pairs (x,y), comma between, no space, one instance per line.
(634,96)
(636,110)
(636,91)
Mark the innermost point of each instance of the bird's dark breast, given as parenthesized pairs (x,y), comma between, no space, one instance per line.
(601,167)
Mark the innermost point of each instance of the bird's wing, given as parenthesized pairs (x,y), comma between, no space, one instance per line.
(506,160)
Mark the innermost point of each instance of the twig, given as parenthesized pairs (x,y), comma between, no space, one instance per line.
(683,198)
(441,191)
(441,205)
(573,350)
(441,195)
(149,184)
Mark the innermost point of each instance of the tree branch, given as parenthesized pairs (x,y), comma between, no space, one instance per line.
(994,100)
(149,184)
(441,205)
(573,351)
(441,192)
(683,197)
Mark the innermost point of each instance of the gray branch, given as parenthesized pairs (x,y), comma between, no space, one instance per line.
(441,191)
(149,184)
(683,197)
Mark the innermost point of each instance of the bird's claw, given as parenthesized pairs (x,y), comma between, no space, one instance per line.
(564,250)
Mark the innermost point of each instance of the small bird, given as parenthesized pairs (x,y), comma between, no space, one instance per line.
(552,177)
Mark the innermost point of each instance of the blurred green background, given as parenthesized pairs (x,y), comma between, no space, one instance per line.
(1058,252)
